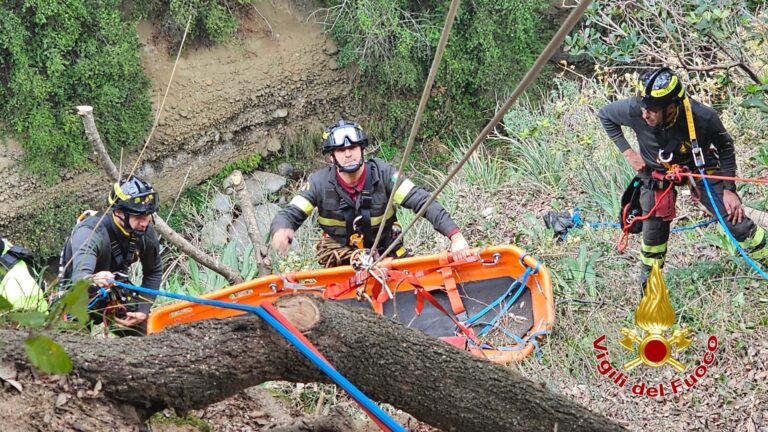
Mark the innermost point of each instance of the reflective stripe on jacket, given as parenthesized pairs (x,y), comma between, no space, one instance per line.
(19,287)
(324,193)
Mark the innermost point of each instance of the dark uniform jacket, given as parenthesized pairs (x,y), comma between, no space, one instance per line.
(108,249)
(714,141)
(324,192)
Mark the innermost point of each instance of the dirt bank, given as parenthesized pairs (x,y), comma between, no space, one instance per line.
(278,79)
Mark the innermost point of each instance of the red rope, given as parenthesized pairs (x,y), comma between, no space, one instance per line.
(677,172)
(621,245)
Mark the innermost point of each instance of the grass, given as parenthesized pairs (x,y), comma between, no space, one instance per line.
(169,417)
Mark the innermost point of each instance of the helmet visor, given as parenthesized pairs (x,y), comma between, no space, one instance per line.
(348,133)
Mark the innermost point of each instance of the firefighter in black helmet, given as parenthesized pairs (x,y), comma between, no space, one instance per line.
(102,249)
(351,197)
(658,118)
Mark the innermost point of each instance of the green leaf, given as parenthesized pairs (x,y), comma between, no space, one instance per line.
(75,301)
(33,319)
(738,300)
(756,102)
(5,305)
(47,355)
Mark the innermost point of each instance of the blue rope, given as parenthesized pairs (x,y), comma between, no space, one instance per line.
(578,222)
(506,307)
(727,231)
(101,294)
(521,343)
(326,367)
(522,281)
(698,225)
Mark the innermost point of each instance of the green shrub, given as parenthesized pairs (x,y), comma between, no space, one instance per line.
(213,21)
(55,55)
(392,42)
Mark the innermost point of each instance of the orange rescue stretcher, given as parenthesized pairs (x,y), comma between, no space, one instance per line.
(496,304)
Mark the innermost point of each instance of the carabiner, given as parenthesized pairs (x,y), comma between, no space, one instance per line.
(663,159)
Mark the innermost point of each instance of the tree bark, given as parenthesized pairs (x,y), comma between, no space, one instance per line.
(191,366)
(92,133)
(758,217)
(235,182)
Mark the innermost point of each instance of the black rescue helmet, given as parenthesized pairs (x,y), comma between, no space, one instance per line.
(343,134)
(134,196)
(661,88)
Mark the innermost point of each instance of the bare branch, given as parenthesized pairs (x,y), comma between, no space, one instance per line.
(260,254)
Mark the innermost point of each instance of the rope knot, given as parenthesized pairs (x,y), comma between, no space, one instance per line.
(676,172)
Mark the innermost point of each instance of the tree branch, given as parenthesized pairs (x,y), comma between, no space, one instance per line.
(237,184)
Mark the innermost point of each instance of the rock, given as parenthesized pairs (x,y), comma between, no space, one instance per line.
(222,203)
(285,169)
(488,211)
(333,64)
(215,233)
(330,47)
(262,183)
(264,215)
(62,399)
(239,233)
(280,113)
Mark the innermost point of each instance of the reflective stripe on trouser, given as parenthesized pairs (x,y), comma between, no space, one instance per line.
(651,255)
(755,245)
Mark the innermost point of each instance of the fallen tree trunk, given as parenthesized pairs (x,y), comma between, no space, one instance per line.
(192,366)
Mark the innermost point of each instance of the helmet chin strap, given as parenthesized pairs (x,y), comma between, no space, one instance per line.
(350,169)
(125,219)
(127,225)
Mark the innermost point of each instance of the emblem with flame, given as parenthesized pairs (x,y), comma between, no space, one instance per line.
(655,315)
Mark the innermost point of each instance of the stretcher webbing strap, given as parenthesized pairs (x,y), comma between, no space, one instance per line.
(422,293)
(449,281)
(337,289)
(452,290)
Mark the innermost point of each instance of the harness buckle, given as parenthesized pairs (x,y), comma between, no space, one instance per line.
(462,317)
(698,156)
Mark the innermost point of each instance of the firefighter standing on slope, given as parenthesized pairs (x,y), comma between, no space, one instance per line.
(351,196)
(658,118)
